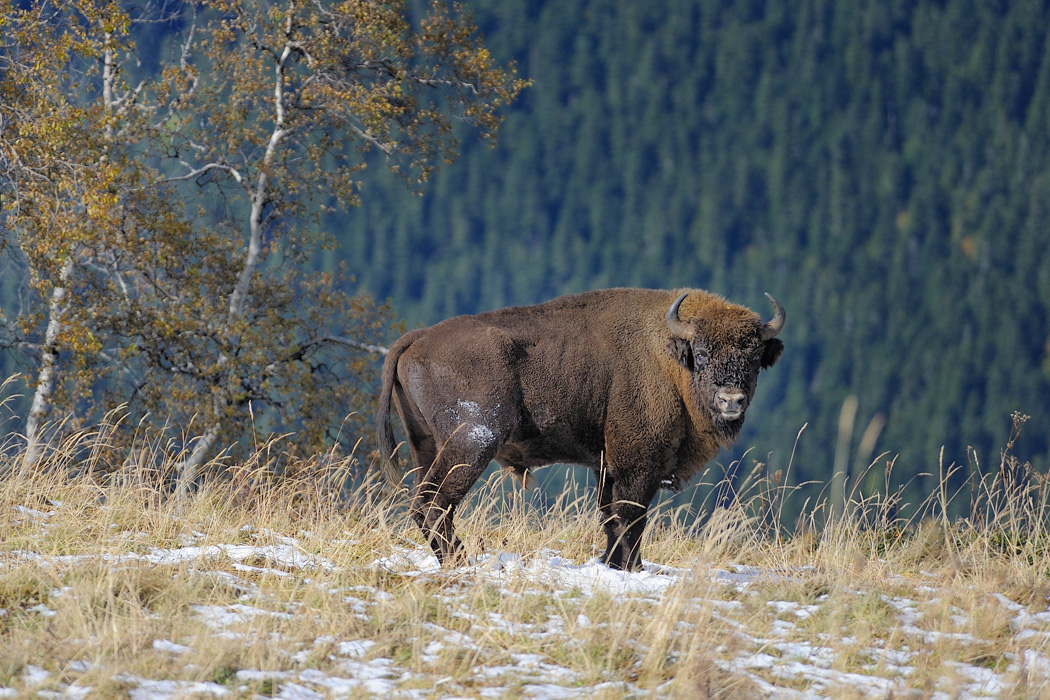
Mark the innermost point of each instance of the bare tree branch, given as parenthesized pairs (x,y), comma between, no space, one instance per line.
(203,170)
(357,345)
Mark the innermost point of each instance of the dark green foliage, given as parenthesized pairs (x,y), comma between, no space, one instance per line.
(883,168)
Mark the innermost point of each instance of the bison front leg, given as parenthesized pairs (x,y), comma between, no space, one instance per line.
(624,519)
(613,554)
(631,518)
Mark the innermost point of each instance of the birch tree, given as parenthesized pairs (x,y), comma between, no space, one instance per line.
(60,173)
(196,291)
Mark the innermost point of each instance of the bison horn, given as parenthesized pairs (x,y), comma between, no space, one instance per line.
(776,324)
(679,329)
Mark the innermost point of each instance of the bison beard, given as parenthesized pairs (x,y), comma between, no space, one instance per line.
(642,386)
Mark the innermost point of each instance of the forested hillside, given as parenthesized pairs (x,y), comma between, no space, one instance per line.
(881,167)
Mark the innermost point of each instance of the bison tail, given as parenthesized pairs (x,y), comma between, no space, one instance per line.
(389,463)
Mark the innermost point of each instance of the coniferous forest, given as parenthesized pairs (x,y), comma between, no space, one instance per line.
(881,167)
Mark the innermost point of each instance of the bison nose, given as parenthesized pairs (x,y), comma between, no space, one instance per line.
(730,402)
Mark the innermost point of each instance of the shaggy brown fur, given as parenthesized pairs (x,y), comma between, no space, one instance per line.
(614,380)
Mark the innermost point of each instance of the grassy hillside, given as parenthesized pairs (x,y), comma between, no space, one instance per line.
(282,587)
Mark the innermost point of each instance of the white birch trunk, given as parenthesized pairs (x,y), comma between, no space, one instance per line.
(189,468)
(46,377)
(45,384)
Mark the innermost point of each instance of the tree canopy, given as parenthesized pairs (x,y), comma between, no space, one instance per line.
(166,209)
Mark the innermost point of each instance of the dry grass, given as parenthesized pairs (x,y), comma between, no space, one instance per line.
(259,586)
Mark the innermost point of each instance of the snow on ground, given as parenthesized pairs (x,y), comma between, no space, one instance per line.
(548,567)
(783,661)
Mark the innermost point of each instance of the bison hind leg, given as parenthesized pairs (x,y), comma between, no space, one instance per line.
(433,509)
(437,494)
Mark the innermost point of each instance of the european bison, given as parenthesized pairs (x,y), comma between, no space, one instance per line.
(642,386)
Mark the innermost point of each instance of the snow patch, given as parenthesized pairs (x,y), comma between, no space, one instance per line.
(170,647)
(34,675)
(547,568)
(220,617)
(355,649)
(555,571)
(148,689)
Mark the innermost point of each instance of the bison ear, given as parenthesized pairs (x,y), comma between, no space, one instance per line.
(771,353)
(678,348)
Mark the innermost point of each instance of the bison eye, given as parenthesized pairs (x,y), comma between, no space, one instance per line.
(702,357)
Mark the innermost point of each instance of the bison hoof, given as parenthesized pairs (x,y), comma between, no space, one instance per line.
(615,560)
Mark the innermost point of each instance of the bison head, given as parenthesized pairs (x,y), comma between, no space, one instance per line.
(724,348)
